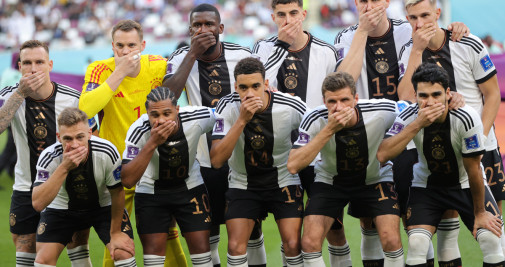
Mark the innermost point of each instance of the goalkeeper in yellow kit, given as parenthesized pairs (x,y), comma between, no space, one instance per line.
(116,88)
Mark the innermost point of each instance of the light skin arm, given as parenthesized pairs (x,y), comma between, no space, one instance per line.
(483,218)
(491,93)
(132,171)
(118,239)
(45,193)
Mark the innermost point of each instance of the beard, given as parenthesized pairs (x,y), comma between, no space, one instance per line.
(211,49)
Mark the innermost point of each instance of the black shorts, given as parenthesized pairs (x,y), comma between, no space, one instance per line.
(23,219)
(286,202)
(367,200)
(493,166)
(58,226)
(191,210)
(307,177)
(427,205)
(216,182)
(403,173)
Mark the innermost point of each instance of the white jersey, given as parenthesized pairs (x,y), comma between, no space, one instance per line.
(441,147)
(349,158)
(468,64)
(86,187)
(208,81)
(300,73)
(34,128)
(382,65)
(173,166)
(259,159)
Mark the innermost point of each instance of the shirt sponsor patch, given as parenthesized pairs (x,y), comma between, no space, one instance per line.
(396,128)
(340,54)
(219,128)
(132,152)
(117,173)
(91,86)
(486,63)
(170,66)
(401,105)
(472,142)
(42,175)
(2,101)
(303,138)
(92,122)
(402,69)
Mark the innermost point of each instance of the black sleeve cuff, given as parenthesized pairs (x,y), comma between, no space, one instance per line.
(296,146)
(282,44)
(217,137)
(125,161)
(115,186)
(37,184)
(474,154)
(483,80)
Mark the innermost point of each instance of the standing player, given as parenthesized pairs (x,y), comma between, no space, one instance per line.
(252,132)
(206,69)
(473,75)
(78,185)
(370,52)
(347,134)
(296,62)
(117,88)
(31,108)
(449,174)
(160,157)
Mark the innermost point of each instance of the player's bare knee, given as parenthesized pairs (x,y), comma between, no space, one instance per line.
(336,237)
(236,248)
(120,254)
(310,244)
(390,240)
(292,247)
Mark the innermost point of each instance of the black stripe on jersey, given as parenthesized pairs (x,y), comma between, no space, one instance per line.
(339,35)
(464,117)
(63,89)
(483,80)
(107,149)
(408,44)
(178,52)
(256,47)
(281,99)
(233,97)
(232,46)
(476,45)
(312,117)
(139,131)
(410,111)
(398,22)
(196,117)
(48,157)
(189,114)
(8,89)
(322,43)
(279,53)
(377,107)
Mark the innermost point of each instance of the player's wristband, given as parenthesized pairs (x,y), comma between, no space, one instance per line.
(282,44)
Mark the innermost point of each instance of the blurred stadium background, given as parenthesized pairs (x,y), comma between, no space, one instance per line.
(78,33)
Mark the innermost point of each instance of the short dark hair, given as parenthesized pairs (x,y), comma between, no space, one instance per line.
(284,2)
(205,8)
(338,80)
(249,65)
(159,94)
(127,26)
(432,73)
(34,44)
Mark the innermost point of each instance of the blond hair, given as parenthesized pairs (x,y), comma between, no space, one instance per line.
(72,116)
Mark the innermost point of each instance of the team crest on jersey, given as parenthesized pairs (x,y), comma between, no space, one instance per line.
(303,138)
(42,228)
(91,86)
(156,82)
(396,128)
(117,173)
(291,81)
(175,161)
(472,142)
(40,131)
(215,87)
(2,101)
(12,219)
(257,142)
(352,152)
(132,152)
(219,127)
(438,152)
(340,54)
(486,63)
(42,175)
(381,65)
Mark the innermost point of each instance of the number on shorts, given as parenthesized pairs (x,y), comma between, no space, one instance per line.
(197,206)
(491,175)
(205,201)
(488,204)
(383,197)
(290,200)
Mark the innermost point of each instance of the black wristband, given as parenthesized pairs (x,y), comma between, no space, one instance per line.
(282,44)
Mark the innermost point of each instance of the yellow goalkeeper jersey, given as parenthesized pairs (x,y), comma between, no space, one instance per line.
(119,109)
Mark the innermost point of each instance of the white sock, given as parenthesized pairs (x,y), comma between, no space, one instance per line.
(25,259)
(237,261)
(256,254)
(201,260)
(447,240)
(38,265)
(130,262)
(214,245)
(419,242)
(431,252)
(79,256)
(296,261)
(490,245)
(371,247)
(340,256)
(313,259)
(394,258)
(154,261)
(283,256)
(502,239)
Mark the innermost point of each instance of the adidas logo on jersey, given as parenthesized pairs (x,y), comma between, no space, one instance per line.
(208,219)
(292,67)
(214,73)
(40,116)
(380,51)
(119,95)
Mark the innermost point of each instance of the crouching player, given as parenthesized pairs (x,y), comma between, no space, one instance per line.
(160,160)
(449,173)
(78,185)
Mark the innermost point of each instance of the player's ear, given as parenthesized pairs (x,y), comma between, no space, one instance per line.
(50,65)
(221,28)
(177,108)
(438,11)
(266,84)
(143,46)
(58,136)
(90,133)
(304,14)
(387,4)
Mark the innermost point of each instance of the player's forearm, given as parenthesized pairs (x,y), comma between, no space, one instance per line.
(405,88)
(8,111)
(45,193)
(492,100)
(177,81)
(117,208)
(300,158)
(132,171)
(393,146)
(222,149)
(353,61)
(91,102)
(476,181)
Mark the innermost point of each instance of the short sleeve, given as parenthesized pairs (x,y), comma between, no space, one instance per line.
(405,117)
(208,123)
(310,126)
(173,62)
(482,68)
(471,133)
(342,45)
(113,172)
(403,58)
(222,124)
(135,138)
(47,163)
